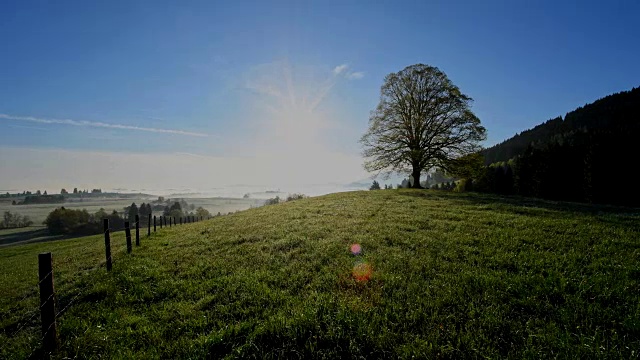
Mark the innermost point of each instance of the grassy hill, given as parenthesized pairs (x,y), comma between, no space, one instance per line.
(439,275)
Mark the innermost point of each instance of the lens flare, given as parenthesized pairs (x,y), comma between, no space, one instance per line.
(356,249)
(362,272)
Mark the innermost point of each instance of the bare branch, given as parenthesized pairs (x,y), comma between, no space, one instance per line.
(422,121)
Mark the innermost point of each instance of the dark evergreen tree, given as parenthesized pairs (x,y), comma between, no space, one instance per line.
(132,212)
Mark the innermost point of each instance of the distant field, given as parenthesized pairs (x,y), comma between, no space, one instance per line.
(438,275)
(38,212)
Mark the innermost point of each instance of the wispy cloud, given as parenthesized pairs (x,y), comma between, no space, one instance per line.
(192,155)
(344,71)
(85,123)
(27,127)
(340,69)
(355,75)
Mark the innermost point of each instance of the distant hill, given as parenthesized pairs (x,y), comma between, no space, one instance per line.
(618,112)
(587,156)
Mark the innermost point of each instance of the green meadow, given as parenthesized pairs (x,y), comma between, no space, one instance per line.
(438,275)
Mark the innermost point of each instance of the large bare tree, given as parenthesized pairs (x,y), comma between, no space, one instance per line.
(422,122)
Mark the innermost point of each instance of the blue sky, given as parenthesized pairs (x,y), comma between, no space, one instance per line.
(216,80)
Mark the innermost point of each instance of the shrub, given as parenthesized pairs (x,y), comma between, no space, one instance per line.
(66,221)
(202,212)
(273,201)
(292,197)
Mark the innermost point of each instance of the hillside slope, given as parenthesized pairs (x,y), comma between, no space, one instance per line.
(438,275)
(617,113)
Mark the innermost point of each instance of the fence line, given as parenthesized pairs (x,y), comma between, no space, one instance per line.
(49,341)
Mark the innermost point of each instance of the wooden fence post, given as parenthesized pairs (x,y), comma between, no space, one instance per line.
(149,226)
(170,221)
(107,243)
(160,222)
(180,220)
(154,223)
(47,303)
(127,232)
(137,230)
(165,221)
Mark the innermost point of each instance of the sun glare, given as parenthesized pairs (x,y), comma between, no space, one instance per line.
(292,124)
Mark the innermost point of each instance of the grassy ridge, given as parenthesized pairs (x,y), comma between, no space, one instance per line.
(452,275)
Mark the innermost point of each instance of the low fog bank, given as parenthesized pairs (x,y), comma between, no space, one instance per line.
(240,191)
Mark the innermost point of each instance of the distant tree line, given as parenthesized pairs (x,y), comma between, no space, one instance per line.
(14,220)
(81,222)
(434,179)
(76,192)
(41,199)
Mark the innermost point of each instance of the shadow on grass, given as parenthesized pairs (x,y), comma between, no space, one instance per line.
(31,236)
(519,205)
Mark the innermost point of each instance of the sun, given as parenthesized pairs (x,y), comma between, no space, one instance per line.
(292,124)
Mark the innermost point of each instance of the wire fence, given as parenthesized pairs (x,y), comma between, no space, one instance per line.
(48,341)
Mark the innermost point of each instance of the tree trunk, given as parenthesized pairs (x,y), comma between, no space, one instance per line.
(415,174)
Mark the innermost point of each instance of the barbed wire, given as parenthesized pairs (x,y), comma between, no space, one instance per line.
(23,323)
(29,293)
(111,258)
(33,290)
(33,313)
(41,339)
(70,302)
(65,259)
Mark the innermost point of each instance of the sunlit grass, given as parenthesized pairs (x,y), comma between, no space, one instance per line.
(379,274)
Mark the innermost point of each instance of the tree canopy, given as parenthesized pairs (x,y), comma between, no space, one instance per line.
(422,121)
(575,158)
